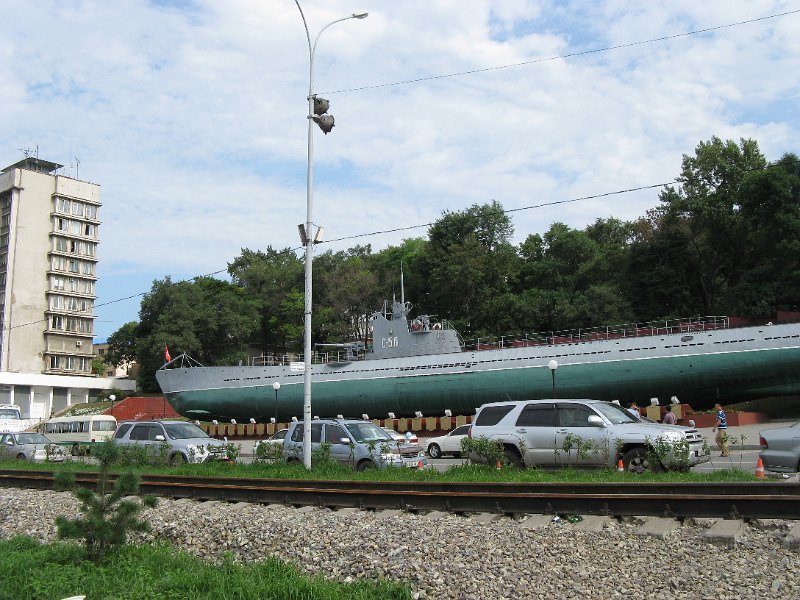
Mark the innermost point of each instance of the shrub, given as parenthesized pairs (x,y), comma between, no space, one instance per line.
(107,518)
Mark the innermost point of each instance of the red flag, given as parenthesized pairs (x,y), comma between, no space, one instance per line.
(167,357)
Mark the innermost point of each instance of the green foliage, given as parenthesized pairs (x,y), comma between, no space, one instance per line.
(98,366)
(488,451)
(107,516)
(32,571)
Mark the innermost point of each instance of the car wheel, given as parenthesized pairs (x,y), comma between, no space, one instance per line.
(177,459)
(365,464)
(434,451)
(513,458)
(636,461)
(21,456)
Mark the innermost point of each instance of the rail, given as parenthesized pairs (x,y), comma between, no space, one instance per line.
(551,338)
(730,500)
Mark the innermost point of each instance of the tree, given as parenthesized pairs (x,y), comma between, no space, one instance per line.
(770,210)
(209,319)
(122,344)
(108,514)
(275,279)
(706,209)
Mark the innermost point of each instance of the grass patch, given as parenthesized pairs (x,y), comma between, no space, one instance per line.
(461,473)
(32,571)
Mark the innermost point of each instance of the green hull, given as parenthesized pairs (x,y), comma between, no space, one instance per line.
(699,380)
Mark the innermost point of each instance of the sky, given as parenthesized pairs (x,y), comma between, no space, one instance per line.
(192,115)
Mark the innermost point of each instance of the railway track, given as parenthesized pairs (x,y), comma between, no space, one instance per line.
(730,500)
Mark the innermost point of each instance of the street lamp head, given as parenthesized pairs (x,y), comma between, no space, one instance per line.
(360,15)
(276,386)
(552,365)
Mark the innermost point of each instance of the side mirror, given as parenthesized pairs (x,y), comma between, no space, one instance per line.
(596,421)
(159,438)
(345,441)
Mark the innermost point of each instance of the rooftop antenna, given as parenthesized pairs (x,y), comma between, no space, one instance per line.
(402,286)
(77,168)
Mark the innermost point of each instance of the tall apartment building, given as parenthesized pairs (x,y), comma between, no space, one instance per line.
(48,272)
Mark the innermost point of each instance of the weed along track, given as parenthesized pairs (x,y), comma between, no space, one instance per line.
(691,499)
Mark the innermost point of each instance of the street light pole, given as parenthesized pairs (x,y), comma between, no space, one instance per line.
(112,397)
(276,386)
(553,365)
(309,235)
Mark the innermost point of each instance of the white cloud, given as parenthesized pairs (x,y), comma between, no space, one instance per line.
(192,115)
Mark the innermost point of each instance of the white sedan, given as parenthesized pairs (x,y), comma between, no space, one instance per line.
(449,443)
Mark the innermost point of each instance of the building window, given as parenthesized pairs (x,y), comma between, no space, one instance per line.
(62,224)
(6,220)
(60,244)
(91,211)
(89,249)
(72,324)
(88,287)
(74,266)
(57,302)
(69,362)
(3,260)
(3,240)
(55,362)
(59,263)
(56,322)
(75,227)
(83,365)
(85,325)
(88,268)
(89,230)
(57,283)
(62,205)
(77,209)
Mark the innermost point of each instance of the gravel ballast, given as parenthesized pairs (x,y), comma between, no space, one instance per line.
(451,556)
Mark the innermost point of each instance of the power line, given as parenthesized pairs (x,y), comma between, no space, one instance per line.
(510,210)
(563,56)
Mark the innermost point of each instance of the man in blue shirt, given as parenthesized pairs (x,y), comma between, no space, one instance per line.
(721,428)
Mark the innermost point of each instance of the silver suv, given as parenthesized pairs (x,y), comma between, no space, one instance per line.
(361,444)
(181,441)
(583,434)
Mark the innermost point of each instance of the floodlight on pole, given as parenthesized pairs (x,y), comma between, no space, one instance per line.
(313,117)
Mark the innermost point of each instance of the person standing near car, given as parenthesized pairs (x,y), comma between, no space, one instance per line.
(669,416)
(721,427)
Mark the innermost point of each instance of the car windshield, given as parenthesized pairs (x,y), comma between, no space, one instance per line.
(614,413)
(279,435)
(184,431)
(104,425)
(6,413)
(32,438)
(367,432)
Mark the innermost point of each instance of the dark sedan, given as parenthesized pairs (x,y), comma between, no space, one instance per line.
(780,449)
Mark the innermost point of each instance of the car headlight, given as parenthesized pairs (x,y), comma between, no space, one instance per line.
(673,436)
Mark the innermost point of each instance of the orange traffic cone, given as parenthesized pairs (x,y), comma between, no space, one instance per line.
(420,466)
(760,469)
(620,466)
(499,465)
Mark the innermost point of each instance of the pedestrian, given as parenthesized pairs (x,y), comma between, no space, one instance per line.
(669,416)
(634,410)
(721,427)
